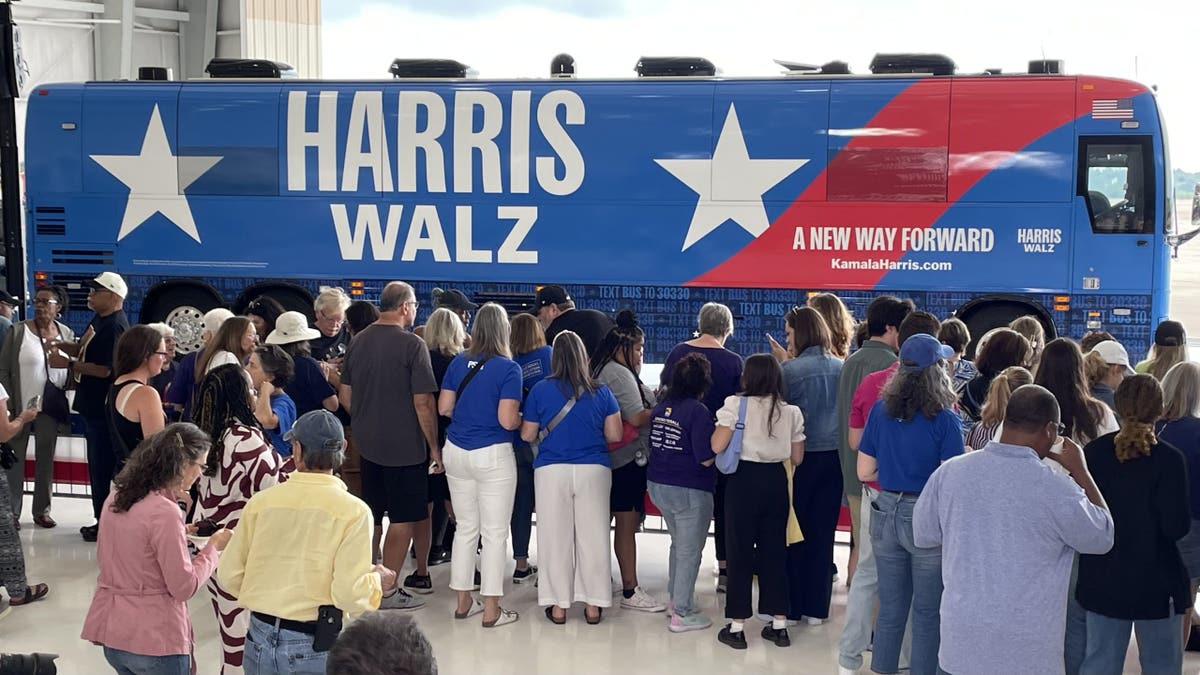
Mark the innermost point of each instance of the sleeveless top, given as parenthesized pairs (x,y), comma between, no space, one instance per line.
(126,435)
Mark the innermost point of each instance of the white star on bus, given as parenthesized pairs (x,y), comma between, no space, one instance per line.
(739,180)
(156,180)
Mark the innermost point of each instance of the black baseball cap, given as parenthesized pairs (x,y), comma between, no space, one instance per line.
(1170,334)
(453,299)
(551,295)
(9,299)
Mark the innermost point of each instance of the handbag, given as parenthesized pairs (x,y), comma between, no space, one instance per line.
(629,433)
(54,400)
(727,462)
(8,456)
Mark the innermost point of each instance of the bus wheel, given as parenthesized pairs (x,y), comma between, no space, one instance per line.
(982,319)
(183,309)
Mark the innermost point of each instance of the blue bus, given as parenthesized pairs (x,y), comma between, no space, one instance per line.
(986,196)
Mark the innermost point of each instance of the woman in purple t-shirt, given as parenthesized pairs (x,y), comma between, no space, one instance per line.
(715,324)
(682,479)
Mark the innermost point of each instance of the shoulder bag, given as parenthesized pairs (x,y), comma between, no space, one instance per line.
(558,417)
(727,462)
(467,378)
(54,400)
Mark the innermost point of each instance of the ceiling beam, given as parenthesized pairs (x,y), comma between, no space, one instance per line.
(161,14)
(62,5)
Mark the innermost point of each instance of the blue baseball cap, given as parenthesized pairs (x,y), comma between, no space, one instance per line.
(921,351)
(318,430)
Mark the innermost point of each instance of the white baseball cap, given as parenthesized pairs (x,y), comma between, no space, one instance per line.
(113,282)
(291,327)
(1114,355)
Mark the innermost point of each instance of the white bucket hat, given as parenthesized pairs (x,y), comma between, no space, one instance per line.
(291,327)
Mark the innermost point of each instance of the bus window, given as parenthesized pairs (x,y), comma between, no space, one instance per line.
(1116,179)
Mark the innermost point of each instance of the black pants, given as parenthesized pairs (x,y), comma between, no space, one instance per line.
(817,500)
(102,462)
(756,511)
(719,517)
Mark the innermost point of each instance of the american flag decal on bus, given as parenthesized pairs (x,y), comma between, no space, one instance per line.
(1112,109)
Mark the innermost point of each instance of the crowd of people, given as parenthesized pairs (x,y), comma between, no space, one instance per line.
(1020,511)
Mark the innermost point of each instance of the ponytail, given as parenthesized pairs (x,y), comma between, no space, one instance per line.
(1000,391)
(1139,402)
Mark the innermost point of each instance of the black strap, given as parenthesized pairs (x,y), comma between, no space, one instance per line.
(470,374)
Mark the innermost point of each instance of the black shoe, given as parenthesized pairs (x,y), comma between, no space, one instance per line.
(438,556)
(736,640)
(90,532)
(779,637)
(418,584)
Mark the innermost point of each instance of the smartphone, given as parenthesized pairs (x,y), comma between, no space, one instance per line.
(329,625)
(769,338)
(35,402)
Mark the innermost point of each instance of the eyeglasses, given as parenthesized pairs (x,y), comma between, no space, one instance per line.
(1062,429)
(45,301)
(414,303)
(163,354)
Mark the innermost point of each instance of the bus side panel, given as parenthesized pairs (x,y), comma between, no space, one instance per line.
(53,161)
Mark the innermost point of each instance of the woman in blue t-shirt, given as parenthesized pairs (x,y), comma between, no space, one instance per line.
(532,354)
(480,467)
(909,433)
(681,478)
(270,370)
(572,479)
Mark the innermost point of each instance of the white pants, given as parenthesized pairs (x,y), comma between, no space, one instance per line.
(483,484)
(574,551)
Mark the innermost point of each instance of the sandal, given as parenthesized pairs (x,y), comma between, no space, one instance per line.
(506,617)
(475,608)
(550,615)
(32,594)
(596,620)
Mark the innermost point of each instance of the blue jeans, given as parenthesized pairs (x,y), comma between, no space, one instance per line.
(522,515)
(1076,637)
(128,663)
(909,577)
(688,513)
(1160,644)
(271,651)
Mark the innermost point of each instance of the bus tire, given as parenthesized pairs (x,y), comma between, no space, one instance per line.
(293,299)
(983,318)
(182,307)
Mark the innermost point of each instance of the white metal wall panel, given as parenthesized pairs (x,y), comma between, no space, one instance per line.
(284,30)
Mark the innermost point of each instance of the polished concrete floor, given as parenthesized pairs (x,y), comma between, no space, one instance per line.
(626,642)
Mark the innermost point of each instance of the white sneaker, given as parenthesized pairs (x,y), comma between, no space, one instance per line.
(642,601)
(401,599)
(843,670)
(813,621)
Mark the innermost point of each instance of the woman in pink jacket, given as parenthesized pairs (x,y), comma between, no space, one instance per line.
(139,613)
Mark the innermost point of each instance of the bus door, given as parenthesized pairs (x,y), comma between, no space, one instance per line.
(1115,216)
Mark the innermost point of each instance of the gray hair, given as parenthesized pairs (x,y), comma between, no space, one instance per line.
(716,320)
(381,643)
(331,297)
(1181,390)
(394,295)
(444,332)
(927,391)
(163,330)
(321,459)
(490,332)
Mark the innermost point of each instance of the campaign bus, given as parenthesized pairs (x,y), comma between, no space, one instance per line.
(986,196)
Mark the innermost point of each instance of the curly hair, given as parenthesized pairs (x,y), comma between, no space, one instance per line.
(1139,402)
(690,378)
(223,399)
(927,391)
(157,462)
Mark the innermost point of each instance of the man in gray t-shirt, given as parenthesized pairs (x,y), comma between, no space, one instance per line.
(389,388)
(1009,527)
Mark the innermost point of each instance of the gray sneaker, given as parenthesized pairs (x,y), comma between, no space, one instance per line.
(401,600)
